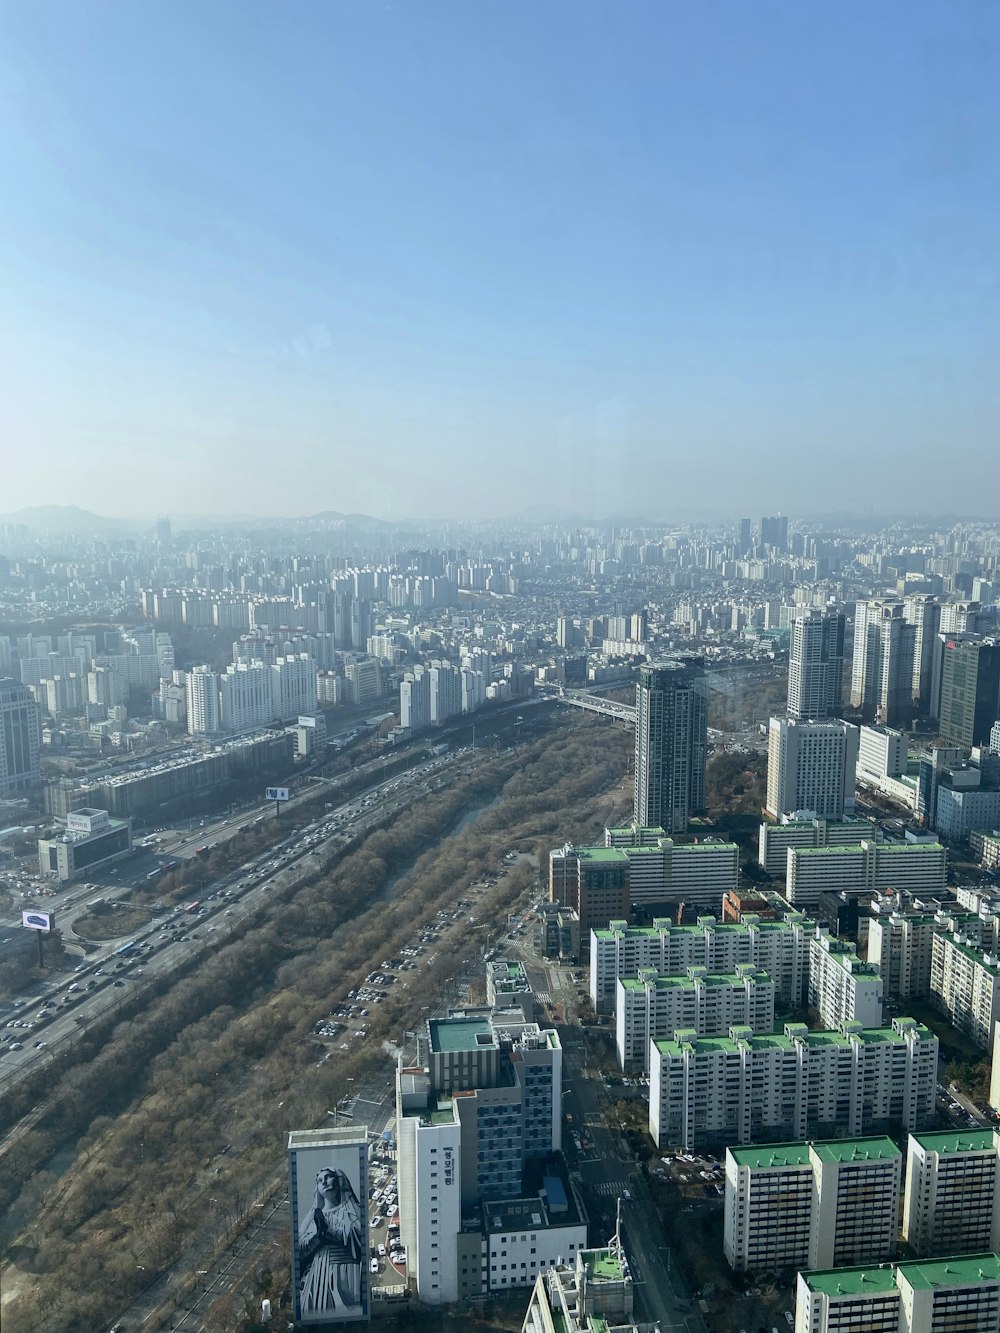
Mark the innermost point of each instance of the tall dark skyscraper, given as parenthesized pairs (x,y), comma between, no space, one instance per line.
(774,532)
(816,665)
(970,691)
(671,743)
(745,539)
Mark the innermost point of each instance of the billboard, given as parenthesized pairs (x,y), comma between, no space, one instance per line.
(275,793)
(328,1190)
(38,920)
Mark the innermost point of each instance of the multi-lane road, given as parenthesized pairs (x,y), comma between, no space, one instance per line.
(37,1026)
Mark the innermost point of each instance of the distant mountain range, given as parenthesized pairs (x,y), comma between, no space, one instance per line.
(70,520)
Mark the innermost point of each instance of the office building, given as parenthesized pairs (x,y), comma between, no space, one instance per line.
(811,766)
(780,948)
(914,867)
(882,753)
(931,1296)
(774,534)
(811,1205)
(952,1200)
(364,675)
(816,665)
(485,1201)
(965,984)
(882,666)
(508,987)
(651,1006)
(744,542)
(91,839)
(970,691)
(671,743)
(842,988)
(20,739)
(204,717)
(774,839)
(593,1293)
(748,1088)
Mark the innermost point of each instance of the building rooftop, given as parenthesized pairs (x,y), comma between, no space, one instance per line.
(851,1281)
(950,1141)
(773,1154)
(460,1034)
(613,855)
(602,1265)
(965,1270)
(856,1150)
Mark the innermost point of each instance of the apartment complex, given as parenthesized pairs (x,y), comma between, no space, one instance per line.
(775,839)
(965,983)
(671,743)
(952,1199)
(748,1088)
(842,988)
(811,1205)
(650,1006)
(780,948)
(928,1296)
(916,867)
(602,883)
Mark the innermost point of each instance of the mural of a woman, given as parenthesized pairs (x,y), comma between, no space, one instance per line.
(331,1247)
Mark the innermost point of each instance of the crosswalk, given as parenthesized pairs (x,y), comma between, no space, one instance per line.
(609,1188)
(543,996)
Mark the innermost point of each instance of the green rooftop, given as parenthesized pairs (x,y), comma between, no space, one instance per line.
(613,855)
(966,1269)
(976,955)
(851,1281)
(948,1141)
(773,1154)
(460,1034)
(856,1150)
(604,1265)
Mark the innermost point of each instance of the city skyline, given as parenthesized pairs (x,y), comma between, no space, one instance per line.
(453,259)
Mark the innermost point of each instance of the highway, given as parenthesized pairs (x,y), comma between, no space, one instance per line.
(36,1027)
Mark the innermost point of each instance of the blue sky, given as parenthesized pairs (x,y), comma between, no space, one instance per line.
(463,257)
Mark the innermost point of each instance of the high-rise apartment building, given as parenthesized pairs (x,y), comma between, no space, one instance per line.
(952,1199)
(811,766)
(293,686)
(245,697)
(882,666)
(965,982)
(751,1089)
(445,688)
(923,612)
(671,743)
(970,691)
(415,699)
(816,665)
(842,988)
(812,1205)
(20,738)
(650,1006)
(914,867)
(203,711)
(932,1296)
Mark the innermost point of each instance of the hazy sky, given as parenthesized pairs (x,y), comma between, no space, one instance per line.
(460,256)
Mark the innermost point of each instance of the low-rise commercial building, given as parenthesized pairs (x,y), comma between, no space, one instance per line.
(92,839)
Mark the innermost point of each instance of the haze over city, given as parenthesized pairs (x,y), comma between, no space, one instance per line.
(455,259)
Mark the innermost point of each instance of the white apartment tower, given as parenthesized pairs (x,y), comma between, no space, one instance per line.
(245,697)
(816,665)
(952,1199)
(203,714)
(811,766)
